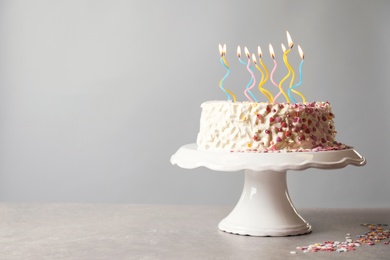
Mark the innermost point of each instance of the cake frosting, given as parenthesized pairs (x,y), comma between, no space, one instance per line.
(266,127)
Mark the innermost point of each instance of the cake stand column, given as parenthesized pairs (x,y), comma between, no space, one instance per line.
(265,208)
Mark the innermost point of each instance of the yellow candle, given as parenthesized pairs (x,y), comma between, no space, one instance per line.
(266,73)
(290,44)
(265,92)
(285,52)
(272,54)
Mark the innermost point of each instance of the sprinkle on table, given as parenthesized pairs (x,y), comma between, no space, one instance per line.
(377,234)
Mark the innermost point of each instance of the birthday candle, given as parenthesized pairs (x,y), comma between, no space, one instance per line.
(265,92)
(262,74)
(292,88)
(290,44)
(285,52)
(250,69)
(241,61)
(222,52)
(272,53)
(289,68)
(262,90)
(285,58)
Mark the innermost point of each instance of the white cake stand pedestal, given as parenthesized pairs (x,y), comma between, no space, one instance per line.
(265,207)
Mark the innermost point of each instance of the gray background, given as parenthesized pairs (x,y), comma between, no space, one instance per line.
(95,96)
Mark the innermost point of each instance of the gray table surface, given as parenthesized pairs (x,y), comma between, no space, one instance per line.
(120,231)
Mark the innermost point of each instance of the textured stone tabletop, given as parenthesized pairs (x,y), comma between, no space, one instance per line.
(120,231)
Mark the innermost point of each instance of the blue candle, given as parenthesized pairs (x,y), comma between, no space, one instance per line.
(300,79)
(223,61)
(296,85)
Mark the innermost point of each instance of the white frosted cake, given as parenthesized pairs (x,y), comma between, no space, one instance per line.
(267,127)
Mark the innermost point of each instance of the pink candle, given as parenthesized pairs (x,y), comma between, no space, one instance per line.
(249,68)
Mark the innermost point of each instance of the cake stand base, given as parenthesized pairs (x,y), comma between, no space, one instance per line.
(265,208)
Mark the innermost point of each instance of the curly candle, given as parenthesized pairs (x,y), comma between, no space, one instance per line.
(292,88)
(222,52)
(285,59)
(272,53)
(262,75)
(290,44)
(265,92)
(250,69)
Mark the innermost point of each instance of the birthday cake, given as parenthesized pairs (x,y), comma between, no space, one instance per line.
(254,126)
(267,127)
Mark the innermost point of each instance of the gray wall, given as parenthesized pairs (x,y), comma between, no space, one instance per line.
(95,96)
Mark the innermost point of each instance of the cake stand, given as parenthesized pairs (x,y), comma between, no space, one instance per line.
(265,207)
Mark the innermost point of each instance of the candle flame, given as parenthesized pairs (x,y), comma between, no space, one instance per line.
(253,58)
(289,40)
(220,50)
(271,51)
(238,51)
(301,52)
(283,48)
(259,52)
(247,52)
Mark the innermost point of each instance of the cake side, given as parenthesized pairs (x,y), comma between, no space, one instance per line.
(264,127)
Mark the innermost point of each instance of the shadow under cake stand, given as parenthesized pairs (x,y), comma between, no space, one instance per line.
(265,207)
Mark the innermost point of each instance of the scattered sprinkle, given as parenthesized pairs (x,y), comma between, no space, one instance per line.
(375,235)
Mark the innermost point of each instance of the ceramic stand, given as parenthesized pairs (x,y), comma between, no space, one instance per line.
(265,207)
